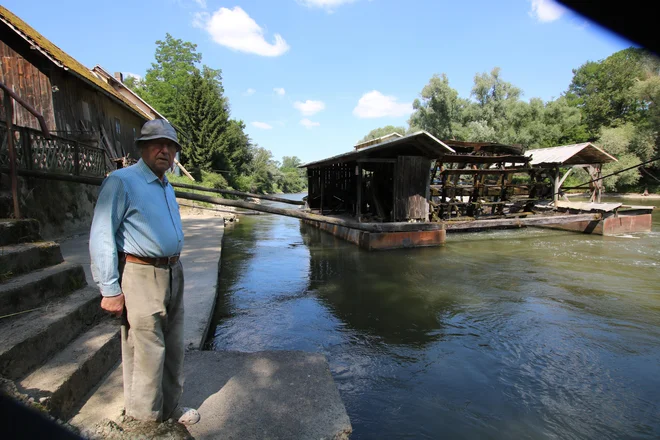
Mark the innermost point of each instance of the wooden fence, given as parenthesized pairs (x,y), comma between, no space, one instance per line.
(54,154)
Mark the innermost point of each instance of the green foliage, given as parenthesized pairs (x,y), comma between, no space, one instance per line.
(382,131)
(192,98)
(495,114)
(630,145)
(204,118)
(294,179)
(614,101)
(604,90)
(165,82)
(439,108)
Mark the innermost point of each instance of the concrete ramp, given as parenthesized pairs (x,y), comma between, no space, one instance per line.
(265,395)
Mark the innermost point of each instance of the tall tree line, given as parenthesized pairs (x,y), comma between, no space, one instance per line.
(214,146)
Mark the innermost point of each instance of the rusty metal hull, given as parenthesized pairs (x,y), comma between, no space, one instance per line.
(623,223)
(383,240)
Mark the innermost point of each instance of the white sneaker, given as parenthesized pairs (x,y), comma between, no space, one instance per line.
(186,416)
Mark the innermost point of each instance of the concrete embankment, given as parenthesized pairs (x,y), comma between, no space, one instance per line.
(277,395)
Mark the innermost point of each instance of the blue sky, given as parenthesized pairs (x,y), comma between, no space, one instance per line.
(311,77)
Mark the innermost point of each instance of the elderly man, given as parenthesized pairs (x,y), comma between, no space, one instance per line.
(135,242)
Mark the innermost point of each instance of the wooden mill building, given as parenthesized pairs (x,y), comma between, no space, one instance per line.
(381,182)
(408,191)
(76,103)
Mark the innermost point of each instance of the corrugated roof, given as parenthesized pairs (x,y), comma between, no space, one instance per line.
(61,58)
(576,154)
(422,143)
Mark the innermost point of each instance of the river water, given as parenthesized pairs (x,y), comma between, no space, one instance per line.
(525,334)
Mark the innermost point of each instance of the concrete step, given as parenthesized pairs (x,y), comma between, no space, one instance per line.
(17,259)
(18,231)
(31,338)
(63,382)
(33,289)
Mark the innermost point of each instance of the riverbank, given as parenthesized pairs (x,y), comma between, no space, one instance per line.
(287,394)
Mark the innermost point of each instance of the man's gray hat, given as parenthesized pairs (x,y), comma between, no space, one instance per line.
(158,129)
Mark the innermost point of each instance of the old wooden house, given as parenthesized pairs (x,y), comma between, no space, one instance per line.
(386,181)
(76,103)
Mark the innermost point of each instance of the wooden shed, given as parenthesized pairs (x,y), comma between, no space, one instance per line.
(75,102)
(383,182)
(586,156)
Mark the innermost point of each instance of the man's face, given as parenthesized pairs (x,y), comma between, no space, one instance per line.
(158,154)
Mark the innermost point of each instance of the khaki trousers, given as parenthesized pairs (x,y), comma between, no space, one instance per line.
(152,339)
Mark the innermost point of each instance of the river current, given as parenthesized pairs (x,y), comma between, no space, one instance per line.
(526,334)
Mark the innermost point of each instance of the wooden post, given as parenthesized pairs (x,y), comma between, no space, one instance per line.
(395,187)
(555,192)
(27,148)
(322,186)
(9,116)
(183,170)
(76,159)
(358,210)
(599,181)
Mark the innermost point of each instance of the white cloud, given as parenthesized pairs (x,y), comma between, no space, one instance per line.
(309,107)
(324,4)
(249,92)
(201,3)
(262,125)
(309,124)
(546,10)
(280,91)
(376,105)
(235,29)
(134,75)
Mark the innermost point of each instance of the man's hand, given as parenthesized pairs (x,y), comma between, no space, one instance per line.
(113,304)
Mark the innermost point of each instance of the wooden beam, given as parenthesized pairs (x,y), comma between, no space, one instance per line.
(183,170)
(465,158)
(237,193)
(520,222)
(297,213)
(487,171)
(9,117)
(375,160)
(358,209)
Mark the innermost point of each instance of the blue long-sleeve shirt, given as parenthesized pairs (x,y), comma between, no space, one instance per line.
(136,214)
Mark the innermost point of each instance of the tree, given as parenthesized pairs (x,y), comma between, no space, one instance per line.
(165,82)
(236,148)
(622,142)
(294,179)
(204,118)
(263,172)
(382,131)
(604,90)
(439,109)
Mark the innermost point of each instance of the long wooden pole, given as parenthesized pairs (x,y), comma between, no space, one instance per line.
(369,227)
(237,193)
(9,116)
(296,213)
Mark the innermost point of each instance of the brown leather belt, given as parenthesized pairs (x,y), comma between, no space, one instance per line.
(151,261)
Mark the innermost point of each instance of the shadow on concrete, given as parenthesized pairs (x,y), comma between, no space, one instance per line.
(274,394)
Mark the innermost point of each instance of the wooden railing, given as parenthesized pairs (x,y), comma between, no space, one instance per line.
(35,151)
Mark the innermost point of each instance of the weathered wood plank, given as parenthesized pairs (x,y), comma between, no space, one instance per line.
(487,171)
(520,222)
(464,158)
